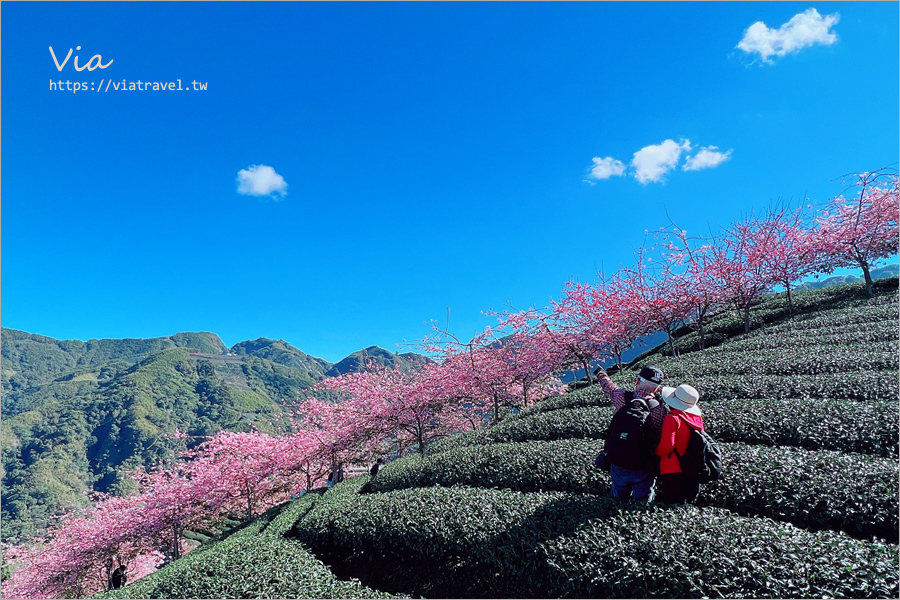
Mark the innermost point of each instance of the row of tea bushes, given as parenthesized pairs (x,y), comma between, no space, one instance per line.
(854,493)
(690,552)
(257,561)
(821,424)
(861,386)
(561,465)
(587,396)
(878,310)
(833,309)
(584,422)
(499,543)
(830,361)
(463,542)
(882,332)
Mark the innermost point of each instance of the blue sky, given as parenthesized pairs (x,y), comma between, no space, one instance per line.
(411,157)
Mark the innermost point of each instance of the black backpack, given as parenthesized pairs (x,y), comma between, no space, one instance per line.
(702,461)
(631,441)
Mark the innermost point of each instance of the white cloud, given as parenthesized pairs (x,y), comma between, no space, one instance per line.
(604,168)
(707,158)
(261,180)
(805,29)
(652,162)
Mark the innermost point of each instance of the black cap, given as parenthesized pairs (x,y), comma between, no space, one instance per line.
(651,373)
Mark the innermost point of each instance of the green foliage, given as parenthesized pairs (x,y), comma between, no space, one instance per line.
(81,435)
(381,357)
(512,544)
(860,386)
(817,360)
(564,423)
(842,303)
(690,552)
(588,396)
(853,493)
(821,424)
(282,353)
(30,360)
(561,465)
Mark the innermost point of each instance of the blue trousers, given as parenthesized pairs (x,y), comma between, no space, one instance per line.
(628,483)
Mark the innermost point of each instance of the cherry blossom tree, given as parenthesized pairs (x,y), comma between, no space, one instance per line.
(862,230)
(693,257)
(576,319)
(739,263)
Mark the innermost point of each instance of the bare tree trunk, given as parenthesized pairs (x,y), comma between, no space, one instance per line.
(587,369)
(176,546)
(700,320)
(869,291)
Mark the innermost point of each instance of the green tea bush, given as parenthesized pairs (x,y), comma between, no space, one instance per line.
(882,334)
(467,542)
(844,425)
(883,309)
(853,493)
(690,552)
(588,396)
(448,542)
(584,422)
(861,386)
(561,465)
(786,360)
(256,561)
(830,307)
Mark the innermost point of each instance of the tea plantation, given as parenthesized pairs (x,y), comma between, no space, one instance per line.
(805,407)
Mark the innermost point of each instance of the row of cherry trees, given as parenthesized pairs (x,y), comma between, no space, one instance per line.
(470,384)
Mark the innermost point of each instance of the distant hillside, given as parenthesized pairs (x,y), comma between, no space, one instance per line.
(29,359)
(279,351)
(880,273)
(357,361)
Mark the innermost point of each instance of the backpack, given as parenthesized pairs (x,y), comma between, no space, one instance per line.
(702,461)
(630,440)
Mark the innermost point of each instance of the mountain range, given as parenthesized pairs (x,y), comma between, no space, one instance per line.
(78,415)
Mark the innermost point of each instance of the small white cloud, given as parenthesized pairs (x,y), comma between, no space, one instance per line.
(652,162)
(604,168)
(261,180)
(805,29)
(707,158)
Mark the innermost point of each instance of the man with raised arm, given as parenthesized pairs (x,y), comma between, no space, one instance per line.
(634,434)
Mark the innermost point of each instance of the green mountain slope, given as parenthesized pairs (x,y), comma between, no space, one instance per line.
(282,353)
(29,360)
(357,361)
(78,415)
(83,431)
(804,408)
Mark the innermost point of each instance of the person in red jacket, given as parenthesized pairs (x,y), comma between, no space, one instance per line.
(684,414)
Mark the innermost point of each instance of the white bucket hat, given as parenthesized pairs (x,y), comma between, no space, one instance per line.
(684,398)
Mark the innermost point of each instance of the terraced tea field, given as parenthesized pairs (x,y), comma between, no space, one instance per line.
(805,408)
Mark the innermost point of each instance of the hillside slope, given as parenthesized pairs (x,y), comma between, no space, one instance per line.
(805,409)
